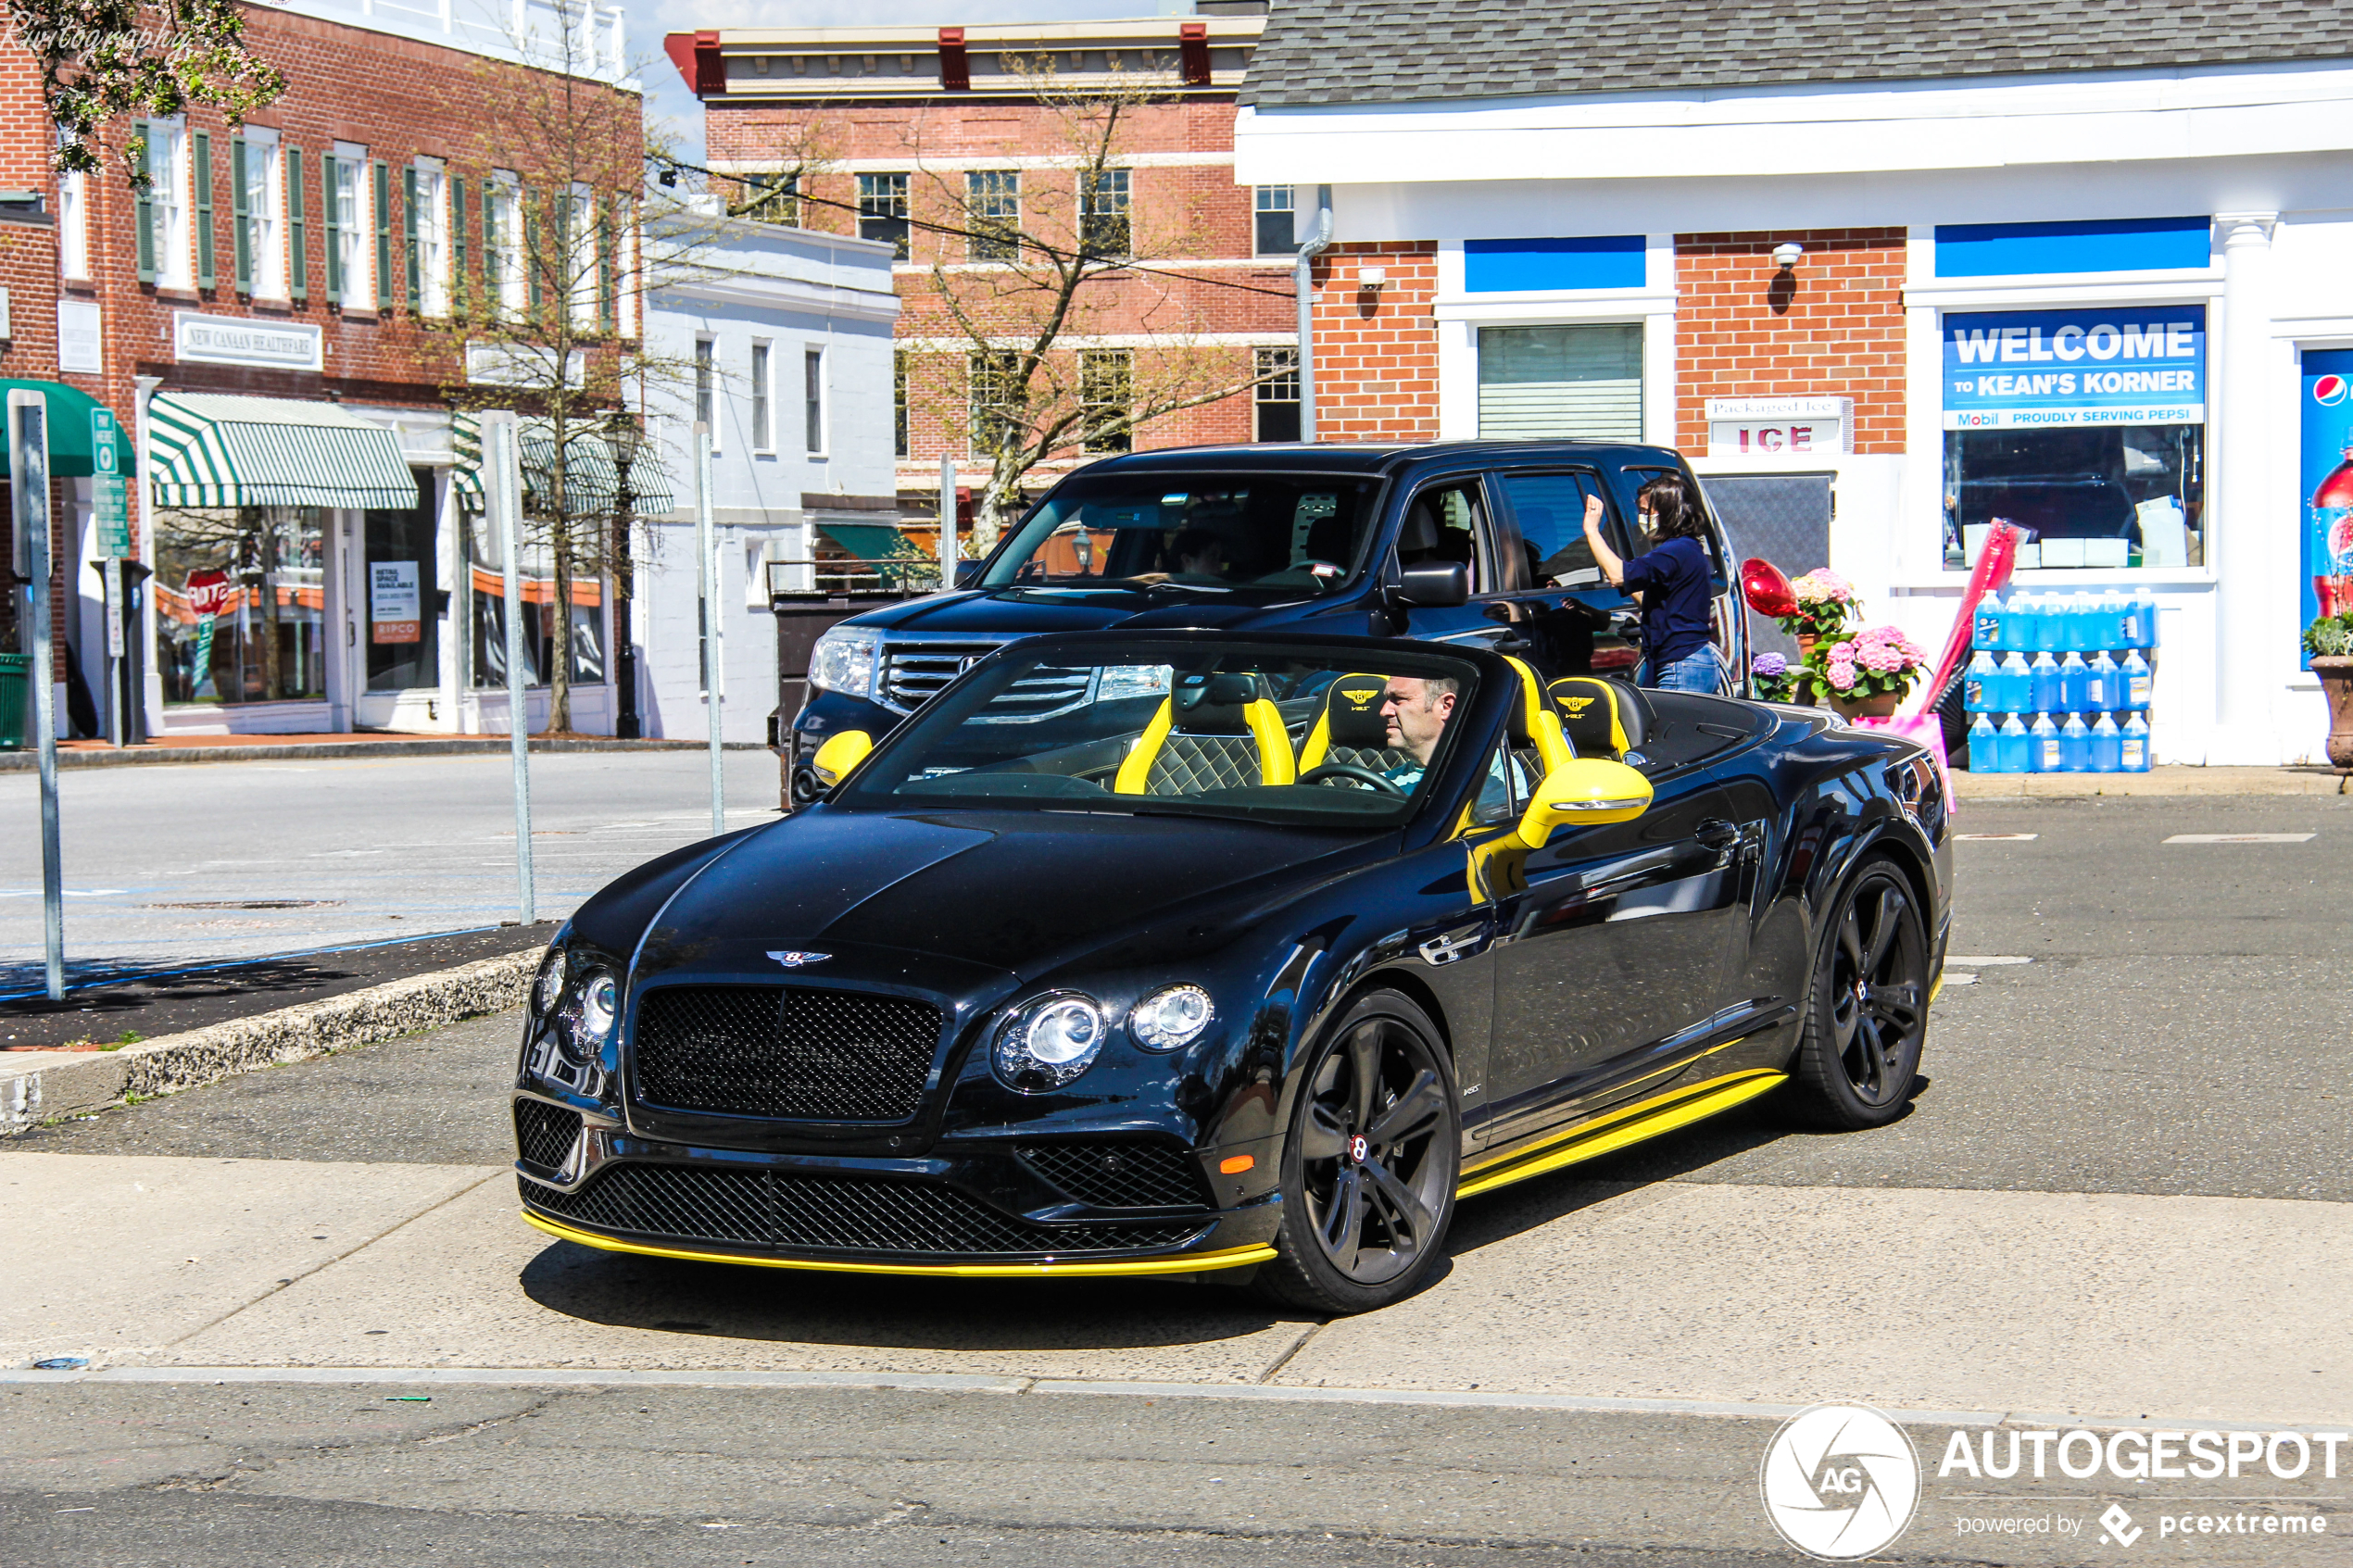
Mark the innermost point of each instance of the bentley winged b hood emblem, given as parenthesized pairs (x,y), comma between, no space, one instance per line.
(794,959)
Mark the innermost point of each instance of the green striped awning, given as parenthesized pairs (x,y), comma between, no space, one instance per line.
(216,449)
(592,474)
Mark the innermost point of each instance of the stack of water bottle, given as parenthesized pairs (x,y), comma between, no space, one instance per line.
(2069,672)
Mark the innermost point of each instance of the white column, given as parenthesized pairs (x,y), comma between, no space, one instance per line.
(2236,550)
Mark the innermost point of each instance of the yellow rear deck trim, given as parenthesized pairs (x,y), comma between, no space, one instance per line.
(1620,1128)
(1184,1263)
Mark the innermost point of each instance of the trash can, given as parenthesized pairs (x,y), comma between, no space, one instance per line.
(16,700)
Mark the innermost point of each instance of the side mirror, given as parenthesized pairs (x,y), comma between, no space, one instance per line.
(1587,791)
(1435,584)
(968,574)
(837,756)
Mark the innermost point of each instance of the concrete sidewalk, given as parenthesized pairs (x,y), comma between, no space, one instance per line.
(2167,781)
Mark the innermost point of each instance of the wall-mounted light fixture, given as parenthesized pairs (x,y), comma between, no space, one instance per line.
(1373,277)
(1788,254)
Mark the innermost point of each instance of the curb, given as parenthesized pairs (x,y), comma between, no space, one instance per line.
(88,1080)
(28,760)
(2170,782)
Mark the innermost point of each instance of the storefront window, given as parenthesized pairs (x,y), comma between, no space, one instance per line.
(2085,428)
(537,584)
(240,604)
(1579,383)
(403,607)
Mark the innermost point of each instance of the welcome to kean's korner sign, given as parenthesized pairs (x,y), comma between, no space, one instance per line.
(2134,364)
(242,340)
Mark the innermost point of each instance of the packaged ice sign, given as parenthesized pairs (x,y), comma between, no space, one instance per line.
(1780,427)
(2136,365)
(393,610)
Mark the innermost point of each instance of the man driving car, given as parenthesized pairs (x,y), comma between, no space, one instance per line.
(1413,712)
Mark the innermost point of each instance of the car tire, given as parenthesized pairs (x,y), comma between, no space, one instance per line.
(1867,1007)
(1371,1163)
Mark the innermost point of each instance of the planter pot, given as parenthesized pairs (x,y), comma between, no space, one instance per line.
(2336,683)
(1881,706)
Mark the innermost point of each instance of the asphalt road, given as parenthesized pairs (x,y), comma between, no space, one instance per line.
(167,867)
(2175,1041)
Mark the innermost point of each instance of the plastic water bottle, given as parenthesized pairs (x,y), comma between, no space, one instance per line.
(2114,610)
(1984,746)
(2083,623)
(2135,746)
(2075,683)
(2108,746)
(2044,694)
(2104,690)
(1980,683)
(2043,746)
(2013,747)
(2050,626)
(2138,677)
(2075,745)
(1986,630)
(2014,687)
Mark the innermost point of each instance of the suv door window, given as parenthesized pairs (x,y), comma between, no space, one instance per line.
(1549,511)
(1451,522)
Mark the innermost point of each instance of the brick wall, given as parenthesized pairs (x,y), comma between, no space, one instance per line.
(1832,328)
(1376,352)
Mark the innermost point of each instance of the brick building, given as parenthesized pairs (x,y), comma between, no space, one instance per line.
(923,135)
(279,320)
(1885,274)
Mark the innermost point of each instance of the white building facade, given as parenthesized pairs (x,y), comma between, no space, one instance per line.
(779,340)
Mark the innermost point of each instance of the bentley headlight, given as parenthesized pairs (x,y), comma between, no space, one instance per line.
(1047,1042)
(552,981)
(844,660)
(586,1023)
(1171,1017)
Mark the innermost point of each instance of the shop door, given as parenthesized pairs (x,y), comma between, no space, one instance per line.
(1785,517)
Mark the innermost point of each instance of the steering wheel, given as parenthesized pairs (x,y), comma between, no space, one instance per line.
(1354,774)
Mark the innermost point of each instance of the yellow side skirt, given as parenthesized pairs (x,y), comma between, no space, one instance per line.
(1184,1264)
(1630,1126)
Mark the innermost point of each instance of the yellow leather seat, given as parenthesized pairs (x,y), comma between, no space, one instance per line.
(1540,721)
(1350,728)
(1213,732)
(1603,718)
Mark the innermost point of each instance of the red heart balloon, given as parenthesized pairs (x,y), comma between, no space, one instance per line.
(1767,590)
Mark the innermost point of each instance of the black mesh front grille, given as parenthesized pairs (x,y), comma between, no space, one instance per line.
(545,1134)
(775,1051)
(825,1213)
(1114,1175)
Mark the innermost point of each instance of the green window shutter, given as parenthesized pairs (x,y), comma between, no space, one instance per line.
(409,233)
(606,315)
(383,234)
(240,217)
(142,207)
(457,237)
(327,177)
(202,142)
(297,260)
(531,246)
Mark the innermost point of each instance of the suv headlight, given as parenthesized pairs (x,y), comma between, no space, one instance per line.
(844,660)
(1048,1040)
(1171,1017)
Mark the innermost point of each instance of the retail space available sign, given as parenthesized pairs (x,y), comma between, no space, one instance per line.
(394,611)
(2325,488)
(2130,365)
(109,490)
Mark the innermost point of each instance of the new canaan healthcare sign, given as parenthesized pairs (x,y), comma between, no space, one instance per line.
(2130,365)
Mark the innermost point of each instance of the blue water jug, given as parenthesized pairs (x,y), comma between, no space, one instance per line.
(2075,683)
(2136,757)
(2044,694)
(1992,624)
(2043,746)
(2138,677)
(2013,747)
(1980,683)
(2014,687)
(2114,610)
(2108,746)
(2050,625)
(2104,690)
(1984,746)
(2075,745)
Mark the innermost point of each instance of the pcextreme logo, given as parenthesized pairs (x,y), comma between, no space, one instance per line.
(1840,1482)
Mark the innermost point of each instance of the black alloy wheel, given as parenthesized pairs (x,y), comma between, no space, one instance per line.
(1867,1016)
(1370,1167)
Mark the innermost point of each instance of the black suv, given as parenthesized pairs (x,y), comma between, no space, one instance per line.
(1468,542)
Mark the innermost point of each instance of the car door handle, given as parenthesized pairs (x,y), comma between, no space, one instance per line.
(1716,833)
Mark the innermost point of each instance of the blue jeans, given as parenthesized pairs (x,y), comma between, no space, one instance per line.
(1700,670)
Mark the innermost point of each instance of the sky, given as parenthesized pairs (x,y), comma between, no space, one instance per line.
(666,94)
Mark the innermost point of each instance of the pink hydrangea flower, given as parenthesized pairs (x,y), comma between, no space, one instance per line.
(1824,584)
(1842,674)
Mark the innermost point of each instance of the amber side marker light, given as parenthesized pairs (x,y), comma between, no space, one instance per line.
(1236,1165)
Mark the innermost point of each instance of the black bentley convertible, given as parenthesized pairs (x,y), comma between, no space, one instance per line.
(1161,953)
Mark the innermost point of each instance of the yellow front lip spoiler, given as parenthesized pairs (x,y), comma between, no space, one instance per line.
(1184,1263)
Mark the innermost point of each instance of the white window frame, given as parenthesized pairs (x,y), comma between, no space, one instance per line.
(764,397)
(706,353)
(1259,205)
(355,229)
(509,294)
(265,196)
(433,237)
(172,198)
(816,400)
(73,226)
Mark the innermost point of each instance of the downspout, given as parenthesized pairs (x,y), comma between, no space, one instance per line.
(1303,279)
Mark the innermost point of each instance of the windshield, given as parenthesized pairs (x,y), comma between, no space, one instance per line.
(1204,533)
(1260,733)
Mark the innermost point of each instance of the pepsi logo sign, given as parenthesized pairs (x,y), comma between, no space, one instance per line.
(2329,389)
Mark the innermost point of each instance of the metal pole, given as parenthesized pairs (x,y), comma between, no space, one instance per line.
(503,461)
(706,541)
(946,523)
(29,504)
(1304,280)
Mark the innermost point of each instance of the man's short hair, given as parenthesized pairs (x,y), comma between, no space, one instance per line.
(1433,684)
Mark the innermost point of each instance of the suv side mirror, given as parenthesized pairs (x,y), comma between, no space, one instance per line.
(1584,791)
(1435,584)
(968,574)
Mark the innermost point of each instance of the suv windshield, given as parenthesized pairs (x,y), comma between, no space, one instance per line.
(1285,533)
(1318,737)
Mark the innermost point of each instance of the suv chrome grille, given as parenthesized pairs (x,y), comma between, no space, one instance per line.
(913,673)
(784,1052)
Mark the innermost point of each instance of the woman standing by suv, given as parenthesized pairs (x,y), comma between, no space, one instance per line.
(1671,581)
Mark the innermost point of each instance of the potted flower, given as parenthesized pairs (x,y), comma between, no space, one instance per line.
(1867,672)
(1826,605)
(1774,680)
(2329,642)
